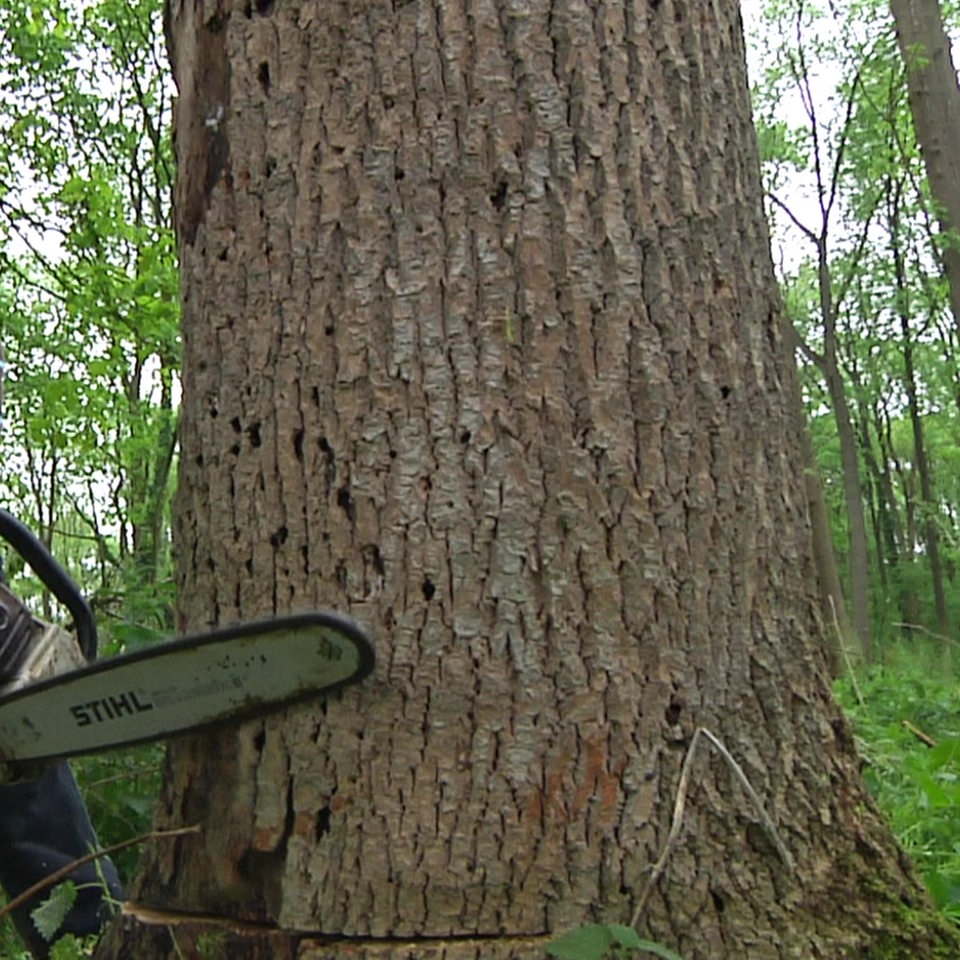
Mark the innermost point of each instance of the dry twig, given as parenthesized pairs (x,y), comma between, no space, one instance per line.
(680,804)
(64,872)
(919,734)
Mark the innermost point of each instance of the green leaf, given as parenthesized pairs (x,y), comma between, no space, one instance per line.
(595,940)
(585,943)
(624,935)
(136,634)
(936,796)
(629,938)
(648,946)
(49,916)
(944,889)
(72,948)
(947,751)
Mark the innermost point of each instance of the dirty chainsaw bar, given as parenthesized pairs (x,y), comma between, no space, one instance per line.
(57,701)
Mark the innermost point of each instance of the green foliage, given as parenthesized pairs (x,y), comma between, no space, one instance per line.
(610,941)
(916,785)
(73,948)
(120,790)
(48,918)
(88,296)
(89,328)
(845,179)
(211,946)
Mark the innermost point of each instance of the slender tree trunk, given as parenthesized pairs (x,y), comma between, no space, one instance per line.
(929,507)
(935,105)
(849,460)
(482,345)
(889,462)
(899,549)
(910,605)
(841,640)
(882,522)
(930,533)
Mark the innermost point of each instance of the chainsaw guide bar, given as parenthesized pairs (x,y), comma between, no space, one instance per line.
(183,685)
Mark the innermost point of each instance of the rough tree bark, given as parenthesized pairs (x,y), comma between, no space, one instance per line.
(935,105)
(482,345)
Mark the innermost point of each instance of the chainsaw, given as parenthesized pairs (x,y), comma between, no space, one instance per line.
(57,700)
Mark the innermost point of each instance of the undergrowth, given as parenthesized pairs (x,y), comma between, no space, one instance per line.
(120,790)
(906,716)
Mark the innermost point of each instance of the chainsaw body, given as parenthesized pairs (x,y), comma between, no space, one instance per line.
(32,649)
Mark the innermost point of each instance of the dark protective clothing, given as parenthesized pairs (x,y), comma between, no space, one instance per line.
(44,825)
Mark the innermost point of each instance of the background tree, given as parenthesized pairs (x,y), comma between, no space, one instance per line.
(482,344)
(88,297)
(825,142)
(89,326)
(890,333)
(935,106)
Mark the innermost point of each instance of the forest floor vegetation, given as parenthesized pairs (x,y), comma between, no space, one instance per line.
(906,716)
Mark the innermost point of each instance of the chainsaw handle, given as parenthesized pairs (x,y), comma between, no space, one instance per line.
(54,578)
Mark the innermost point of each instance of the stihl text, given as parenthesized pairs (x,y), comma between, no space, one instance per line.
(108,708)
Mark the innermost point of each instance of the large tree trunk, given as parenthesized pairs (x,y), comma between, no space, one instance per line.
(935,105)
(481,345)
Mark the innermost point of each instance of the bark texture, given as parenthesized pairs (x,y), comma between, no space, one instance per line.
(935,105)
(481,345)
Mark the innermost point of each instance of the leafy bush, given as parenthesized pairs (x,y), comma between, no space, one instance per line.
(120,790)
(906,715)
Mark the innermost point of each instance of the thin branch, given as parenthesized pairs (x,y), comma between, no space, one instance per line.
(806,95)
(679,806)
(859,247)
(844,134)
(918,733)
(802,227)
(64,872)
(10,264)
(795,341)
(930,633)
